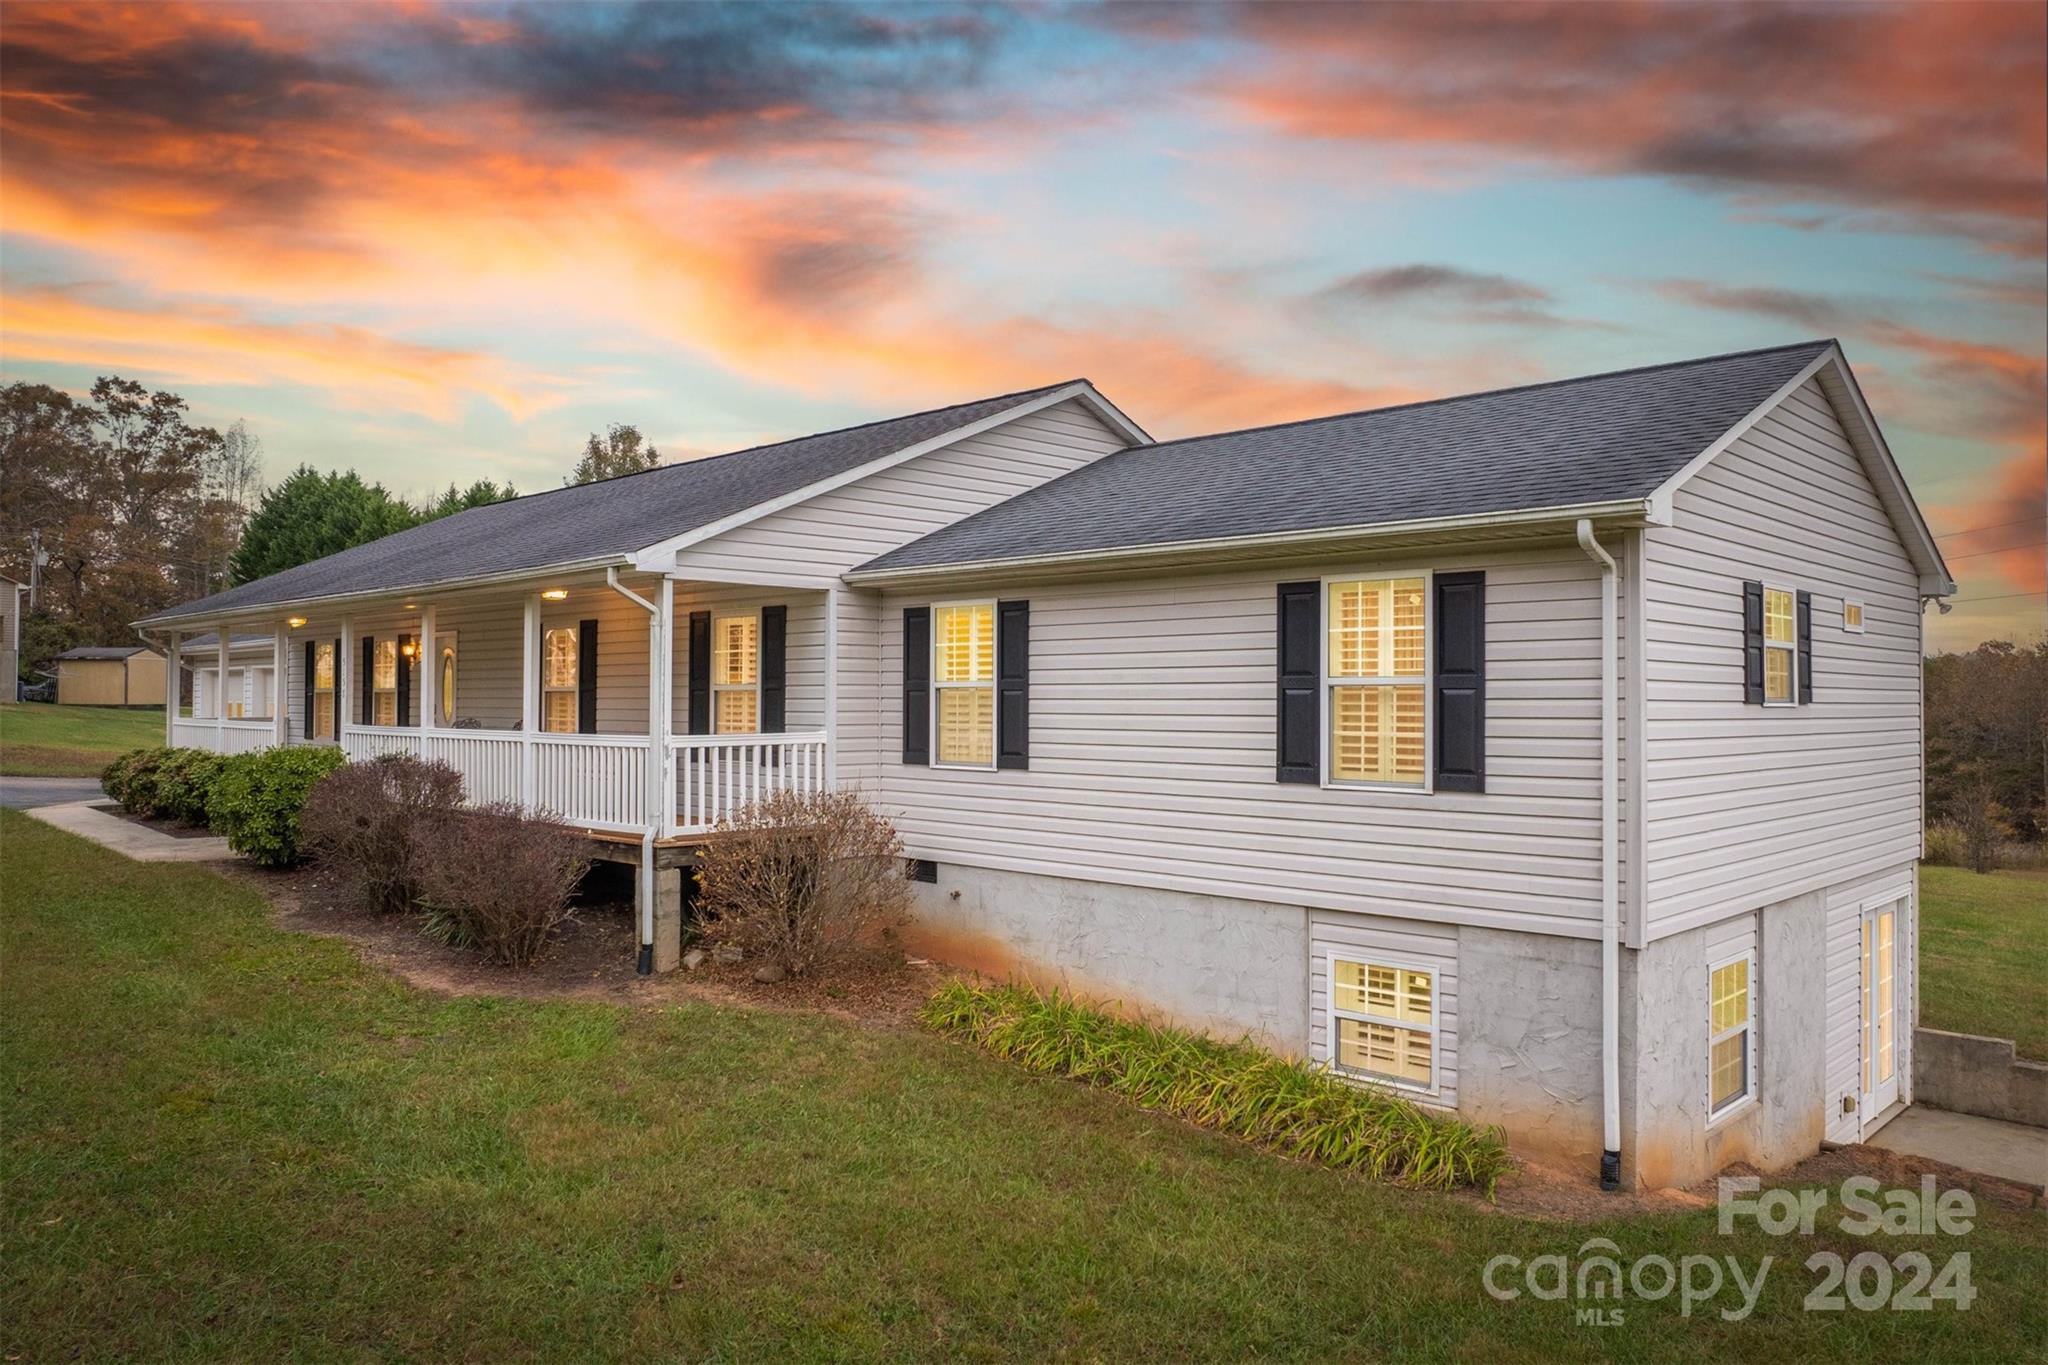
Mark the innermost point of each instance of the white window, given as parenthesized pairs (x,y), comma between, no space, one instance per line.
(736,674)
(445,685)
(1852,615)
(323,690)
(1376,669)
(1383,1021)
(384,683)
(1781,647)
(1731,1051)
(964,684)
(559,674)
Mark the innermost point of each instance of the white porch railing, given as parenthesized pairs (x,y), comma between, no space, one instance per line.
(718,774)
(600,781)
(226,737)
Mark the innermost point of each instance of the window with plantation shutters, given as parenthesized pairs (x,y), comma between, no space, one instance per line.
(323,714)
(1383,1021)
(736,674)
(964,684)
(559,677)
(1377,676)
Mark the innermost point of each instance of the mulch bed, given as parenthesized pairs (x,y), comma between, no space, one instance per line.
(177,829)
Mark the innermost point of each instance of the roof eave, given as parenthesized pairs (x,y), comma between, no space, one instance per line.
(1622,511)
(259,610)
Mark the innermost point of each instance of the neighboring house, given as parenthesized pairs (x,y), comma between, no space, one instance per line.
(1549,755)
(110,675)
(10,634)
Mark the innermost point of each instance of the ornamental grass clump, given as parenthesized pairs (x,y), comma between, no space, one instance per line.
(1296,1108)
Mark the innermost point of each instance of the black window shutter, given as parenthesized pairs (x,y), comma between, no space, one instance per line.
(700,672)
(1805,625)
(774,670)
(917,685)
(1753,644)
(1461,682)
(404,682)
(586,677)
(306,727)
(1298,748)
(1013,684)
(367,714)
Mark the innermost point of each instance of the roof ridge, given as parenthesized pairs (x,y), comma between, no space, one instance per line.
(789,440)
(1481,393)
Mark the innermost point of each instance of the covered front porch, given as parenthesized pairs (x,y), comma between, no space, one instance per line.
(617,702)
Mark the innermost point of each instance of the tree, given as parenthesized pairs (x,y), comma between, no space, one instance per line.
(311,515)
(479,494)
(621,450)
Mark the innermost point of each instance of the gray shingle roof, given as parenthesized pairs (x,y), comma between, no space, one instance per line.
(84,652)
(1571,442)
(596,520)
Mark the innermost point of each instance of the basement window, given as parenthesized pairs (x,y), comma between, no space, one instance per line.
(1383,1022)
(1731,1050)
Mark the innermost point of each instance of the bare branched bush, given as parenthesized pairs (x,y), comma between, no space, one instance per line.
(368,824)
(499,880)
(1979,818)
(802,880)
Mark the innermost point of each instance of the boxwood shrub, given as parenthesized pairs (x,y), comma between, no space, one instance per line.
(184,781)
(256,800)
(131,779)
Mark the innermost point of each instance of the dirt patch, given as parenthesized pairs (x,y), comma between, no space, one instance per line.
(1540,1190)
(177,829)
(594,957)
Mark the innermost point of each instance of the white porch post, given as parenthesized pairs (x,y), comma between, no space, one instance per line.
(342,674)
(430,672)
(529,695)
(831,688)
(220,704)
(662,704)
(280,661)
(172,670)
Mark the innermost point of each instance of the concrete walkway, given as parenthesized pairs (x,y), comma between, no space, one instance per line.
(129,839)
(26,793)
(2009,1151)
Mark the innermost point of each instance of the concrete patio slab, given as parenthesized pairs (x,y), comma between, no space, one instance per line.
(129,839)
(2009,1151)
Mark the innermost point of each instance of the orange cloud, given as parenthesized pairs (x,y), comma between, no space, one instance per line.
(217,346)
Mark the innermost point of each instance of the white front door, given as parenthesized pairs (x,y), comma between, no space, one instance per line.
(1883,996)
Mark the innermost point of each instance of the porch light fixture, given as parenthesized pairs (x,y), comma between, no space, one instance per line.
(553,594)
(410,649)
(295,621)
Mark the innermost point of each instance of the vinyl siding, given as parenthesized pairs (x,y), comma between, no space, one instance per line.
(1748,805)
(829,534)
(1152,739)
(1400,943)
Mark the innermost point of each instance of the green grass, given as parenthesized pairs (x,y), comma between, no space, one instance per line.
(1984,955)
(38,740)
(223,1141)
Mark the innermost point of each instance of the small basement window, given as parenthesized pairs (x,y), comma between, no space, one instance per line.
(1852,615)
(1383,1022)
(1781,647)
(1731,1053)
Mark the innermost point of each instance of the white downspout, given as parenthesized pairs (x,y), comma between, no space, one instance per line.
(657,741)
(1610,901)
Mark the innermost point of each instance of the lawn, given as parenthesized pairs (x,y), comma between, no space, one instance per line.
(38,740)
(227,1141)
(1984,955)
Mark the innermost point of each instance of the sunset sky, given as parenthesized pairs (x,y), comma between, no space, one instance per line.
(443,243)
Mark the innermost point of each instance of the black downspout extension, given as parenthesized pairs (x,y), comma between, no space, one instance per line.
(646,967)
(1610,1170)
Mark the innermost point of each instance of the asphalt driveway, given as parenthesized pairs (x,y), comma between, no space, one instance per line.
(25,793)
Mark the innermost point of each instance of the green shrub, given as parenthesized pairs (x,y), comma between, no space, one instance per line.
(116,776)
(257,798)
(132,779)
(1296,1108)
(184,784)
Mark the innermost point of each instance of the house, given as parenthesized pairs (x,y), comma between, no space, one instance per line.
(10,633)
(1549,755)
(110,675)
(251,689)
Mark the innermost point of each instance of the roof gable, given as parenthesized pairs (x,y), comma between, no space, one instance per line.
(1572,443)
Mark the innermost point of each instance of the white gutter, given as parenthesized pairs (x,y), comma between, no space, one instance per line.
(1634,509)
(1610,900)
(657,743)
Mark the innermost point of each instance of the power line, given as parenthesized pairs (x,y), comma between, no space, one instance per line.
(1994,526)
(2001,597)
(2003,549)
